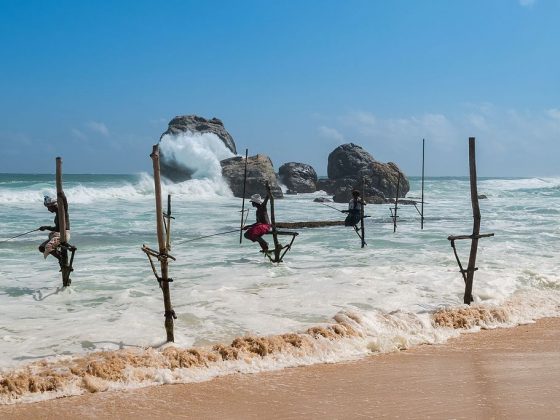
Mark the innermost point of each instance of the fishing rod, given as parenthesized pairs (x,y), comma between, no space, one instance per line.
(17,236)
(342,211)
(208,236)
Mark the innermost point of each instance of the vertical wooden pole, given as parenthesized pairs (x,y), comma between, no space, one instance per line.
(362,225)
(467,299)
(60,201)
(61,212)
(162,247)
(396,203)
(277,246)
(168,225)
(422,205)
(243,202)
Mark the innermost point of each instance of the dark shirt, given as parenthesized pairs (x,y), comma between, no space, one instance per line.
(262,214)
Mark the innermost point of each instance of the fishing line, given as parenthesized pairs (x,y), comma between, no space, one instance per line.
(17,236)
(207,236)
(332,207)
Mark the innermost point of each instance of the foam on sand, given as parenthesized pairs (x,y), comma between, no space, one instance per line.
(349,336)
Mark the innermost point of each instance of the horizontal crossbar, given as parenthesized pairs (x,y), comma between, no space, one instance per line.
(285,232)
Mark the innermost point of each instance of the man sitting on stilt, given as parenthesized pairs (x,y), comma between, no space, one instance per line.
(257,230)
(51,244)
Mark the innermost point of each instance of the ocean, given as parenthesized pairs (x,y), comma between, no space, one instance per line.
(341,301)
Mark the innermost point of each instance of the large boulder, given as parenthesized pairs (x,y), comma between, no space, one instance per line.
(259,170)
(387,177)
(298,177)
(348,160)
(195,124)
(190,124)
(349,165)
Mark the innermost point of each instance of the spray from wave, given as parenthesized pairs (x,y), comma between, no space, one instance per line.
(199,153)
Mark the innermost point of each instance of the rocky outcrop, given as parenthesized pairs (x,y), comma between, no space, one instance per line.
(259,170)
(191,124)
(298,177)
(322,200)
(349,164)
(196,124)
(347,161)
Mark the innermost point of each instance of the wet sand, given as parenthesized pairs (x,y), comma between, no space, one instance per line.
(505,373)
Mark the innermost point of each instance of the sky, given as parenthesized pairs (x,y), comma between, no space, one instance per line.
(96,82)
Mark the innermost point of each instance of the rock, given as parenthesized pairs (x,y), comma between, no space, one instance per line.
(327,185)
(344,187)
(191,124)
(482,197)
(322,200)
(349,164)
(348,160)
(259,170)
(291,192)
(196,124)
(298,177)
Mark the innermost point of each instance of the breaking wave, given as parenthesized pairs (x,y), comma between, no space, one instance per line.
(351,335)
(200,153)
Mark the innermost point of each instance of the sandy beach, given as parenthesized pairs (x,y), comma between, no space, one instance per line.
(501,373)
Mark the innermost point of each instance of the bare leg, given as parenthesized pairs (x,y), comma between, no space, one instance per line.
(263,244)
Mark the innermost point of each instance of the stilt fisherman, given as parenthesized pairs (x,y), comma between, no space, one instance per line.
(49,247)
(257,230)
(354,209)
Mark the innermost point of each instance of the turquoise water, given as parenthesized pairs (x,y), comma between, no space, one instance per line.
(223,290)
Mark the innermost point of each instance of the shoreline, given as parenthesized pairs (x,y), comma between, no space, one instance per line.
(505,372)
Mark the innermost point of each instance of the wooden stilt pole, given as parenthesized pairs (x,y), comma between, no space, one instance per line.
(243,202)
(396,204)
(277,245)
(476,223)
(167,221)
(422,205)
(162,256)
(468,274)
(362,224)
(63,262)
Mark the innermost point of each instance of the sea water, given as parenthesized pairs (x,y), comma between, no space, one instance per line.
(222,289)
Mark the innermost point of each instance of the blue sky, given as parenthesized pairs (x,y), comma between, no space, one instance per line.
(97,81)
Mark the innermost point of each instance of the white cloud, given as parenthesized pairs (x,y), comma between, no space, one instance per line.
(512,141)
(554,113)
(78,134)
(331,134)
(400,130)
(527,3)
(98,127)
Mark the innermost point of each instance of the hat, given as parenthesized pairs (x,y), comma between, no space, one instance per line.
(355,192)
(49,201)
(256,198)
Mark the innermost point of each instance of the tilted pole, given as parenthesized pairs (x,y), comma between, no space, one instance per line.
(163,257)
(422,205)
(468,274)
(277,246)
(168,224)
(60,201)
(476,223)
(243,202)
(396,203)
(61,212)
(362,224)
